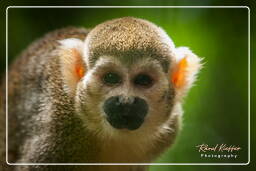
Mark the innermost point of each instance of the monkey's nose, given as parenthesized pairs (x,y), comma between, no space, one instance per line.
(125,114)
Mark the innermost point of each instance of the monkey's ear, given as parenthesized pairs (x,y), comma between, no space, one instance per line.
(72,65)
(185,67)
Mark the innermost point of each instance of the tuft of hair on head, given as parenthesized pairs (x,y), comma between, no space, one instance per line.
(185,67)
(72,65)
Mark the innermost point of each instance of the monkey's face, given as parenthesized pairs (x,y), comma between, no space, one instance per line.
(115,95)
(134,77)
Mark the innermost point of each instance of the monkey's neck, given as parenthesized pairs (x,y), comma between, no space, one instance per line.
(123,152)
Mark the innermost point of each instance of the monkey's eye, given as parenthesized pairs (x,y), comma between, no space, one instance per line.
(111,78)
(143,80)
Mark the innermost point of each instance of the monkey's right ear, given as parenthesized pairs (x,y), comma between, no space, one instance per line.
(186,65)
(72,64)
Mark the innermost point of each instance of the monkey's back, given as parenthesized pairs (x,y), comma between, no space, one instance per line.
(28,77)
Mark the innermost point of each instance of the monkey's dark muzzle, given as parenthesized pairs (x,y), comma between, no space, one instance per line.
(123,114)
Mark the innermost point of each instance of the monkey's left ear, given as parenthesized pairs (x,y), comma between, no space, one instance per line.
(72,64)
(185,67)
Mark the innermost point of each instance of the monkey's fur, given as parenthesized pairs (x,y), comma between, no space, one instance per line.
(54,116)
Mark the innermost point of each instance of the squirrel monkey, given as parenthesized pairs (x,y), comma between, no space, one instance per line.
(112,94)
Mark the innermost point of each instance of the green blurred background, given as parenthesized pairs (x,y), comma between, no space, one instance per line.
(216,109)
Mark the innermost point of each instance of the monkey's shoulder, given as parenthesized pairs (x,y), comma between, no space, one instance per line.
(42,50)
(50,40)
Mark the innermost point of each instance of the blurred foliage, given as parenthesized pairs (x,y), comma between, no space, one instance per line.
(216,109)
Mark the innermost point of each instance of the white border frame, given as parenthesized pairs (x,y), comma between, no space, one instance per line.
(249,81)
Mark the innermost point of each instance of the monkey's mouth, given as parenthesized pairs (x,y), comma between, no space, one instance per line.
(125,122)
(125,115)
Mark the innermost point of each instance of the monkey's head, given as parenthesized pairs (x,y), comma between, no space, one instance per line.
(127,77)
